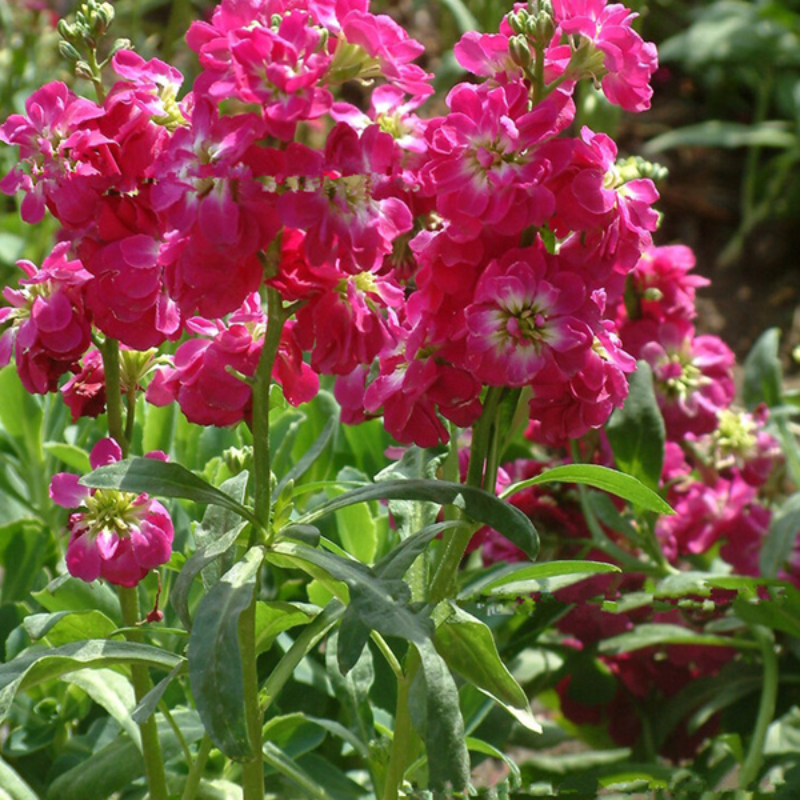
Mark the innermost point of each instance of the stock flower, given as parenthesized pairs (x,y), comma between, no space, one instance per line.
(525,317)
(43,136)
(119,536)
(727,510)
(85,392)
(210,373)
(50,328)
(603,45)
(693,374)
(343,212)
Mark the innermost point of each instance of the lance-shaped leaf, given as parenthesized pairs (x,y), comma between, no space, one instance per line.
(300,467)
(13,786)
(516,580)
(436,715)
(610,480)
(37,665)
(164,479)
(636,431)
(477,504)
(215,662)
(468,647)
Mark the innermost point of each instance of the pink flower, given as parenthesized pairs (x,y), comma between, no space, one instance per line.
(344,211)
(115,535)
(209,373)
(50,328)
(85,393)
(727,510)
(660,286)
(483,164)
(693,375)
(526,316)
(604,46)
(43,136)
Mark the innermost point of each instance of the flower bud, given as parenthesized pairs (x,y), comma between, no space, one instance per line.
(120,44)
(68,51)
(517,21)
(83,70)
(520,51)
(66,31)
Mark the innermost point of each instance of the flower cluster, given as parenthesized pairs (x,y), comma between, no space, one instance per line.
(424,258)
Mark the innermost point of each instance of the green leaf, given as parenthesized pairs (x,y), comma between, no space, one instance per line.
(287,766)
(475,503)
(521,579)
(763,375)
(486,749)
(66,593)
(37,665)
(719,133)
(74,457)
(63,627)
(610,480)
(436,716)
(12,786)
(462,15)
(468,647)
(397,562)
(355,524)
(113,692)
(116,766)
(780,541)
(215,662)
(146,707)
(659,634)
(215,536)
(164,479)
(21,414)
(159,427)
(636,431)
(780,613)
(309,457)
(26,546)
(274,617)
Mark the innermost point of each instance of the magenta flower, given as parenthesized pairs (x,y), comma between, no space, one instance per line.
(693,375)
(50,328)
(54,113)
(346,211)
(119,536)
(85,392)
(525,316)
(604,46)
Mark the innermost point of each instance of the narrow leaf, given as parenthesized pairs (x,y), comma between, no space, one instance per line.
(37,665)
(13,786)
(610,480)
(63,627)
(763,374)
(309,457)
(164,479)
(636,431)
(468,647)
(113,692)
(147,705)
(481,506)
(782,536)
(215,662)
(280,762)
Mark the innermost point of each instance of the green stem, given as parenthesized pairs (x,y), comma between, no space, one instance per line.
(401,743)
(151,747)
(111,368)
(262,381)
(766,711)
(130,419)
(252,769)
(197,769)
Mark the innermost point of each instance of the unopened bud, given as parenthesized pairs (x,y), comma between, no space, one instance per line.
(120,44)
(66,31)
(68,51)
(517,21)
(83,70)
(520,51)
